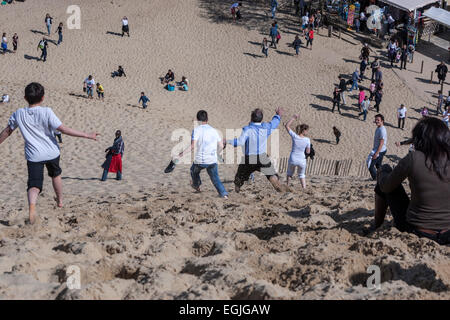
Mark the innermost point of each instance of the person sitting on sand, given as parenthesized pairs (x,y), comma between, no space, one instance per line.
(171,86)
(113,162)
(119,73)
(205,140)
(184,84)
(254,138)
(38,125)
(427,168)
(301,145)
(170,76)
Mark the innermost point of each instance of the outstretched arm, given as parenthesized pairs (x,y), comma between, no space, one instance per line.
(5,134)
(288,124)
(76,133)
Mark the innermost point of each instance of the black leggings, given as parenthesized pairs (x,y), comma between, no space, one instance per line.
(398,203)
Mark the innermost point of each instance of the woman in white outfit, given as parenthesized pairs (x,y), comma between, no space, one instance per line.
(300,145)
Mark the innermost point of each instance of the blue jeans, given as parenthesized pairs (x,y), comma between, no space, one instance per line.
(213,174)
(297,49)
(90,91)
(354,85)
(363,113)
(49,27)
(375,164)
(273,12)
(60,38)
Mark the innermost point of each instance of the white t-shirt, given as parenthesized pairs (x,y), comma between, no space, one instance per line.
(124,22)
(445,116)
(90,83)
(299,145)
(37,125)
(206,138)
(380,133)
(305,20)
(4,40)
(401,112)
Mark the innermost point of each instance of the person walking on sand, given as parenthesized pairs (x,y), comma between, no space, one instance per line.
(401,115)
(100,92)
(43,45)
(362,69)
(378,98)
(60,34)
(441,71)
(342,88)
(379,149)
(89,84)
(144,100)
(297,44)
(4,44)
(374,66)
(114,155)
(15,42)
(355,78)
(235,12)
(424,112)
(273,7)
(273,34)
(205,140)
(301,145)
(440,102)
(309,37)
(403,57)
(254,137)
(336,100)
(38,125)
(365,105)
(337,134)
(125,27)
(48,23)
(265,47)
(361,97)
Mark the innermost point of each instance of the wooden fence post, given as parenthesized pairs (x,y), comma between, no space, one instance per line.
(431,79)
(421,67)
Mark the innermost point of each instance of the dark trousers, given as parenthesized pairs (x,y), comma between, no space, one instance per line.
(377,105)
(251,164)
(401,122)
(398,203)
(375,164)
(105,175)
(403,64)
(274,42)
(59,136)
(44,55)
(337,139)
(372,94)
(338,106)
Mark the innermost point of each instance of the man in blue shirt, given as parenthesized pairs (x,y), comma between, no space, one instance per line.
(273,5)
(144,100)
(273,34)
(254,138)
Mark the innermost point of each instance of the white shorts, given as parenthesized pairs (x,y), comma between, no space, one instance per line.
(301,169)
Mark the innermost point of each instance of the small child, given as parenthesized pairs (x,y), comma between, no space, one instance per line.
(440,102)
(362,96)
(337,134)
(184,84)
(100,91)
(15,40)
(144,100)
(296,44)
(365,105)
(372,90)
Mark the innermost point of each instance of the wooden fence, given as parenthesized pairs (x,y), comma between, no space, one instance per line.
(328,167)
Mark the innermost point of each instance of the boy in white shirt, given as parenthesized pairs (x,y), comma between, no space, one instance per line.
(401,115)
(37,125)
(205,140)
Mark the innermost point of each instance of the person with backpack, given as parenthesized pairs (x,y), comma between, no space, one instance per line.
(43,45)
(48,23)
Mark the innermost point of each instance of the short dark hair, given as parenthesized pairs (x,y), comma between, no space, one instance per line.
(257,115)
(202,115)
(34,92)
(380,116)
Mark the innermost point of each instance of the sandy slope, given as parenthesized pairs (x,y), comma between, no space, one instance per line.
(317,245)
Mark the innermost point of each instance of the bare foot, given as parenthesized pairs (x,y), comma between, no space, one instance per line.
(59,203)
(32,218)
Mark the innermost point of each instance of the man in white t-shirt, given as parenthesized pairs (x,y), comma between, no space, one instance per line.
(379,146)
(401,115)
(204,142)
(125,27)
(37,125)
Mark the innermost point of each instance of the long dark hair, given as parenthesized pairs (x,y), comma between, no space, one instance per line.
(432,137)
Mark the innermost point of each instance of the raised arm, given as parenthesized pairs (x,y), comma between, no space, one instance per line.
(5,134)
(76,133)
(288,124)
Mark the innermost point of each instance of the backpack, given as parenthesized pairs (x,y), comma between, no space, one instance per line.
(311,153)
(41,45)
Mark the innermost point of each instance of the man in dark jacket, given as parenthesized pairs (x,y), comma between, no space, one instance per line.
(404,57)
(441,71)
(342,88)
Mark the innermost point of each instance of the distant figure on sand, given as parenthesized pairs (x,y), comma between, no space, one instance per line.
(235,10)
(170,76)
(119,73)
(273,35)
(144,100)
(114,155)
(342,88)
(254,138)
(336,100)
(273,7)
(427,168)
(125,27)
(309,37)
(15,42)
(301,145)
(184,84)
(296,44)
(337,134)
(375,158)
(205,140)
(265,47)
(5,98)
(60,34)
(441,71)
(424,112)
(43,46)
(48,23)
(4,44)
(100,92)
(365,105)
(88,86)
(401,116)
(37,125)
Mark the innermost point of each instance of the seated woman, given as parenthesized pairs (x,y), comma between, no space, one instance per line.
(184,84)
(170,76)
(171,86)
(119,73)
(427,168)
